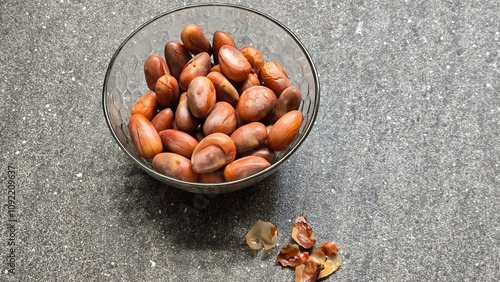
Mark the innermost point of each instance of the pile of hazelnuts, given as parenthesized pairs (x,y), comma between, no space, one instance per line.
(213,113)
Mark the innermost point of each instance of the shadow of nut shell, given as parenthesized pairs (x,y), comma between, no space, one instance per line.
(184,119)
(213,152)
(201,96)
(254,57)
(163,120)
(224,90)
(167,91)
(283,132)
(175,166)
(221,38)
(221,119)
(154,68)
(249,136)
(146,105)
(179,142)
(176,56)
(274,77)
(244,167)
(199,65)
(233,64)
(144,136)
(255,103)
(289,99)
(195,40)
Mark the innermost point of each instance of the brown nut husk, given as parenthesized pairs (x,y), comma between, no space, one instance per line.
(201,97)
(176,56)
(262,233)
(224,89)
(167,91)
(302,232)
(184,119)
(213,152)
(243,167)
(154,68)
(289,100)
(175,166)
(199,65)
(249,136)
(195,40)
(146,105)
(274,76)
(328,256)
(233,64)
(179,142)
(254,57)
(221,38)
(292,255)
(163,120)
(222,119)
(283,132)
(255,103)
(308,272)
(144,136)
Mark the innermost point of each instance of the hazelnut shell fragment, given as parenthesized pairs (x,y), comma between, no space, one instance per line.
(302,232)
(327,255)
(262,233)
(292,255)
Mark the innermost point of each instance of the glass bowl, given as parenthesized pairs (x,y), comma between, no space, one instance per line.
(124,81)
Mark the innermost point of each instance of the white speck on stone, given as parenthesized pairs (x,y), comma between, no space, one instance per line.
(79,174)
(55,193)
(113,263)
(48,105)
(389,117)
(488,85)
(159,211)
(359,28)
(6,271)
(153,264)
(24,118)
(17,152)
(73,78)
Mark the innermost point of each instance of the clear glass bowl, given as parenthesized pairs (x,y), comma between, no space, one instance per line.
(124,81)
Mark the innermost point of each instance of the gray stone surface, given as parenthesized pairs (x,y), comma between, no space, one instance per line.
(401,168)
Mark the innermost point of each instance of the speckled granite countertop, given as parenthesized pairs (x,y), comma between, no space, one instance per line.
(401,168)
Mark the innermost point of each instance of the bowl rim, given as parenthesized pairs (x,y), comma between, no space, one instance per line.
(199,185)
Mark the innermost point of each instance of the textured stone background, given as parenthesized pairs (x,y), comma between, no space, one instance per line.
(401,168)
